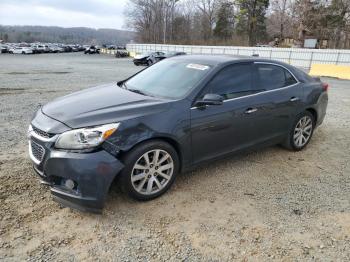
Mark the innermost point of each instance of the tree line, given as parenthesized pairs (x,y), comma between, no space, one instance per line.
(240,22)
(54,34)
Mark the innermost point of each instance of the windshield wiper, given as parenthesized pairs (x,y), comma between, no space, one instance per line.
(137,91)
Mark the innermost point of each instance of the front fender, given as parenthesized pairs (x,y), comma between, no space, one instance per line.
(174,129)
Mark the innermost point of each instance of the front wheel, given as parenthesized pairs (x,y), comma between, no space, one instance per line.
(150,169)
(301,132)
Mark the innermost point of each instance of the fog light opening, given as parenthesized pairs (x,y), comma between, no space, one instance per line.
(69,184)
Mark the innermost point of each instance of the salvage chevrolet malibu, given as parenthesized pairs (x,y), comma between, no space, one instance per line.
(166,119)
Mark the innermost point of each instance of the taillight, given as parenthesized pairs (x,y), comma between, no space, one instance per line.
(325,86)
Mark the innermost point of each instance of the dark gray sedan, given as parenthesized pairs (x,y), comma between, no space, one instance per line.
(167,119)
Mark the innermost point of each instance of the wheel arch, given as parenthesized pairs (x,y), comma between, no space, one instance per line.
(313,112)
(171,141)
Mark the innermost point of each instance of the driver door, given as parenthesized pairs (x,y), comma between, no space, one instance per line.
(220,129)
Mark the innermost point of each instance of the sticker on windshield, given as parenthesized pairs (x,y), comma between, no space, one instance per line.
(198,67)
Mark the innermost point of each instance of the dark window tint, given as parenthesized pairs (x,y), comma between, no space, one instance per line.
(233,81)
(271,77)
(290,80)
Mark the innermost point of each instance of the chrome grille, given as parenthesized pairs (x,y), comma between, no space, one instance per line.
(37,151)
(42,133)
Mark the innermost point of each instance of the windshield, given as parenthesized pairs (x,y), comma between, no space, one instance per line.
(169,79)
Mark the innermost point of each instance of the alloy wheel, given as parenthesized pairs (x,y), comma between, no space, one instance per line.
(152,172)
(302,131)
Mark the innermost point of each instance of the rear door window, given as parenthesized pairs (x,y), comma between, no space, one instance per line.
(270,77)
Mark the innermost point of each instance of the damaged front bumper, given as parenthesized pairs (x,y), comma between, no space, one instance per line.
(77,180)
(90,176)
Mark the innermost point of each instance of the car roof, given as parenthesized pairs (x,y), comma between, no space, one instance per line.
(215,60)
(222,60)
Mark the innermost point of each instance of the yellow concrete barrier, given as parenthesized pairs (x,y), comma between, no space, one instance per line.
(338,71)
(132,54)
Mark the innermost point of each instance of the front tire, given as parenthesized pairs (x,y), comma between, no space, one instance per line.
(301,132)
(150,170)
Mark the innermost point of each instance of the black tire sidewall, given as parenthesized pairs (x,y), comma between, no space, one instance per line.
(291,134)
(130,159)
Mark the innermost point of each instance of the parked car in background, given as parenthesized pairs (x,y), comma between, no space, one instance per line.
(86,47)
(169,118)
(67,48)
(55,49)
(21,50)
(47,49)
(92,50)
(121,53)
(111,47)
(148,58)
(74,48)
(4,49)
(81,48)
(38,48)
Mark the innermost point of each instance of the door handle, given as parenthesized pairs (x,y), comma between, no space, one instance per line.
(251,110)
(294,99)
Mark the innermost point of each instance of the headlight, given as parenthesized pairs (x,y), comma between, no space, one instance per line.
(85,138)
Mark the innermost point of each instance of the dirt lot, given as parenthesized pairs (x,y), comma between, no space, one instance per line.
(266,205)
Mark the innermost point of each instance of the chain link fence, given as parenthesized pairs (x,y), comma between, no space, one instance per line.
(295,56)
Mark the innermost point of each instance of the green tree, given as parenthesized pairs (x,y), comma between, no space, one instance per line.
(251,19)
(225,21)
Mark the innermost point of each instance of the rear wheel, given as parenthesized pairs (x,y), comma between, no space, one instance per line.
(150,169)
(301,132)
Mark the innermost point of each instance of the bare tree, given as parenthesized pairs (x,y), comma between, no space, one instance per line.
(281,10)
(195,21)
(207,9)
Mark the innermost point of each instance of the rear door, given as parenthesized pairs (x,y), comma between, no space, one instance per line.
(278,100)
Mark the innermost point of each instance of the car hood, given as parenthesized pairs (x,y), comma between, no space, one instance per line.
(140,56)
(101,105)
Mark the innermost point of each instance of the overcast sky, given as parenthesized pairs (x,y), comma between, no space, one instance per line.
(65,13)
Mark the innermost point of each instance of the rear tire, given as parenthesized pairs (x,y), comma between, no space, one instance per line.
(301,132)
(150,170)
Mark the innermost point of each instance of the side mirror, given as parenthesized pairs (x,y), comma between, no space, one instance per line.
(210,100)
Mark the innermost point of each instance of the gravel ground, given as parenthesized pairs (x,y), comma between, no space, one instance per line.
(270,204)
